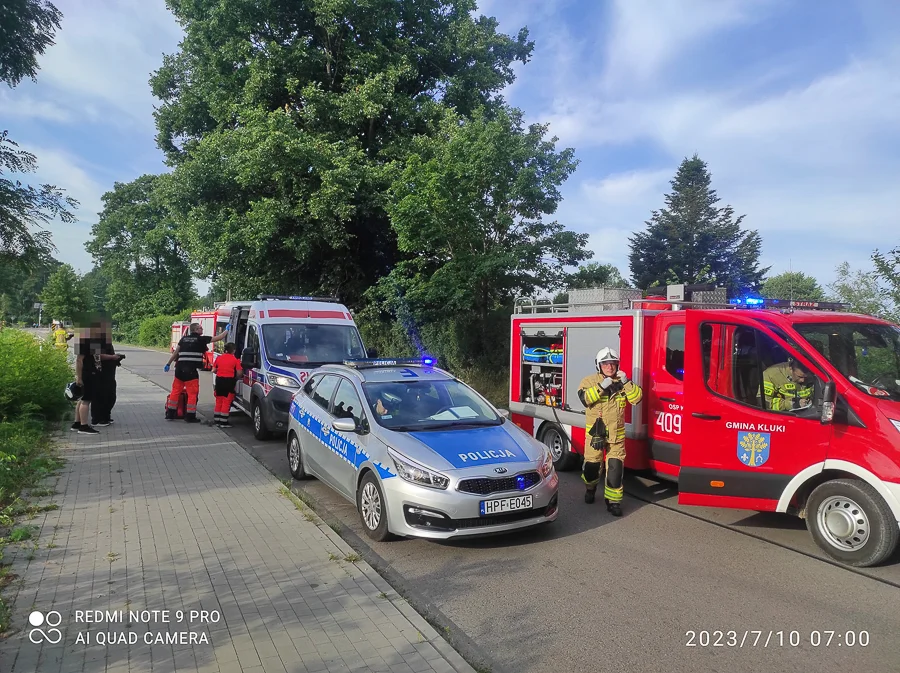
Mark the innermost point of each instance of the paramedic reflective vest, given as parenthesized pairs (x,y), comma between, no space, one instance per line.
(609,408)
(781,392)
(190,356)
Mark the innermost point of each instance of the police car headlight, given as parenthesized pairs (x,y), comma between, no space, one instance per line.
(545,467)
(284,381)
(417,474)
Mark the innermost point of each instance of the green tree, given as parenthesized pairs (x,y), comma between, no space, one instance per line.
(887,270)
(141,268)
(595,274)
(693,240)
(27,28)
(592,274)
(468,206)
(280,118)
(64,296)
(864,293)
(24,286)
(793,285)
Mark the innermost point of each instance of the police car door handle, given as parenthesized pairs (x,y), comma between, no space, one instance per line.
(706,417)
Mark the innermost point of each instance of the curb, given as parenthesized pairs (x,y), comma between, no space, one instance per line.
(417,621)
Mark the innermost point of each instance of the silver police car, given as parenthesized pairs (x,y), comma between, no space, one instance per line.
(419,452)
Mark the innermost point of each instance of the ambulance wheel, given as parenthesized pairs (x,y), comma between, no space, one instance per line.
(563,457)
(295,457)
(259,422)
(852,523)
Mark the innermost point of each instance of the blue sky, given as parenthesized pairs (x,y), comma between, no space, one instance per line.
(792,103)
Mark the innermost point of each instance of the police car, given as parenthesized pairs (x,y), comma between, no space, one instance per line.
(419,452)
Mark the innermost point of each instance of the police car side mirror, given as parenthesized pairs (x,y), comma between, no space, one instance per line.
(372,352)
(344,424)
(829,396)
(504,413)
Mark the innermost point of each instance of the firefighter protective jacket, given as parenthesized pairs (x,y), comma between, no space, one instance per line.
(607,405)
(782,392)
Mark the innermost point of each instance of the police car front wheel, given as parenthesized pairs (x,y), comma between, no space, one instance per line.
(295,457)
(852,523)
(372,508)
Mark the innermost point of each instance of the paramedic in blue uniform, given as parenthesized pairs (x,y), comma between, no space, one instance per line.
(188,355)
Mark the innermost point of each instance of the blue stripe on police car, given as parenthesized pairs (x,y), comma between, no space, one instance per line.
(347,450)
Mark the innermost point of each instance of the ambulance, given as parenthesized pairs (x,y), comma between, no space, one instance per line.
(280,340)
(706,419)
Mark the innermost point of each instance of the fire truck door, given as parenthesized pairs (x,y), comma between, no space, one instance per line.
(743,441)
(665,393)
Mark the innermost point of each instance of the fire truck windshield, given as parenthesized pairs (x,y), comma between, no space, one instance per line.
(867,354)
(310,343)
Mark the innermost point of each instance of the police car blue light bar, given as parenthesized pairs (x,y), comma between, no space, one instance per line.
(427,361)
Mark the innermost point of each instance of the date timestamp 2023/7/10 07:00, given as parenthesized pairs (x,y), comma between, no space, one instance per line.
(772,638)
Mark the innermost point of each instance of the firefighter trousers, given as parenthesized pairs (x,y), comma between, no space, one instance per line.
(223,407)
(193,392)
(612,463)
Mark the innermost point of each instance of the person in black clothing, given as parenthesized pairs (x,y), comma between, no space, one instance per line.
(189,357)
(105,399)
(89,359)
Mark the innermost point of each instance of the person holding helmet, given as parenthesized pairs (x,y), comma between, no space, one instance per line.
(604,396)
(787,386)
(189,357)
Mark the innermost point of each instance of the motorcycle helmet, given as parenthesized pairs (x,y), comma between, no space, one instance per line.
(74,391)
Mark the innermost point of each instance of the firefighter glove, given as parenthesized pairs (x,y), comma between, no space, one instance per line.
(622,376)
(606,383)
(166,368)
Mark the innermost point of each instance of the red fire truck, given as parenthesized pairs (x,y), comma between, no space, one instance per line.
(706,420)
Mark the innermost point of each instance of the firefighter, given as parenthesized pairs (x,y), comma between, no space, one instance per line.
(787,386)
(61,337)
(604,396)
(189,356)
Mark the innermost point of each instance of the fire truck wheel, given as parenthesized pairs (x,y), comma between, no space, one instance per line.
(851,522)
(563,458)
(259,422)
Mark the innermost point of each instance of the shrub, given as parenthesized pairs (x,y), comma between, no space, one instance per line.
(33,377)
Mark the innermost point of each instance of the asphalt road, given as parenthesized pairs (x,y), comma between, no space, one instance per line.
(593,593)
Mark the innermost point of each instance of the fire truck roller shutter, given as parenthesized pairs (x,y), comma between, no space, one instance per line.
(582,344)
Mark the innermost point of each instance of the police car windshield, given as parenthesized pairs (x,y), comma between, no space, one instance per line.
(411,406)
(867,354)
(311,344)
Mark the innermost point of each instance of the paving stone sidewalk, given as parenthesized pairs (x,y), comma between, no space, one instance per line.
(168,516)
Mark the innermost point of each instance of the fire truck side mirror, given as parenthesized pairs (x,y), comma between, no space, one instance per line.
(829,398)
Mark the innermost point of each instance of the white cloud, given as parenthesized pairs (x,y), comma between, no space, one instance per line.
(100,66)
(647,35)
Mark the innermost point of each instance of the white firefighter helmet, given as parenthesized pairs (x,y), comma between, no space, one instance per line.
(606,355)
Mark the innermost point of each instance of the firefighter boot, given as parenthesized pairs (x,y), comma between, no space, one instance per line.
(191,418)
(614,491)
(590,475)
